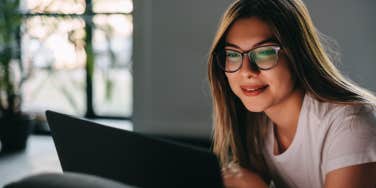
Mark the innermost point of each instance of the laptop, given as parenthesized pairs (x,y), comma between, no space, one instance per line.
(129,157)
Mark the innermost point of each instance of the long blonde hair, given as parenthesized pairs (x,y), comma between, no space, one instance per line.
(238,133)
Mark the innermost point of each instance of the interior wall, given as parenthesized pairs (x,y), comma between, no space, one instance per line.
(171,42)
(352,25)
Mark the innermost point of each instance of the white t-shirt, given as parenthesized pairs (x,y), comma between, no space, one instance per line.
(328,137)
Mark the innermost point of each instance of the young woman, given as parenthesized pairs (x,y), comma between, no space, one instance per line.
(283,113)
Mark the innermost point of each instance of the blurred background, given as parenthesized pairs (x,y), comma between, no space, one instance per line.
(138,65)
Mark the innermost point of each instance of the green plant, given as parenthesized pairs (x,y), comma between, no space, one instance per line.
(10,21)
(14,125)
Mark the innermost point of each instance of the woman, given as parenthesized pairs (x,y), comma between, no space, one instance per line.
(283,113)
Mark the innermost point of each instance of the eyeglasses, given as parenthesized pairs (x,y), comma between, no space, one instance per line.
(262,58)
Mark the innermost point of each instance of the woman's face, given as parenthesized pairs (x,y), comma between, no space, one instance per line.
(259,90)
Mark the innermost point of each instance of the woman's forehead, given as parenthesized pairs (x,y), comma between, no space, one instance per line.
(248,32)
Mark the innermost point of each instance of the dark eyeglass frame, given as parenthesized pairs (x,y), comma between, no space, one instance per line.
(249,53)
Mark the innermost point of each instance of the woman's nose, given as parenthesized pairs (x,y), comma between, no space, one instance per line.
(248,68)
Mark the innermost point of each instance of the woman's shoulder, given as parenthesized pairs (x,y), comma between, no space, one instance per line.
(332,113)
(349,137)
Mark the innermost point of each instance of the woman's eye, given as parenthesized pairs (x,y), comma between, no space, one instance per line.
(232,55)
(266,52)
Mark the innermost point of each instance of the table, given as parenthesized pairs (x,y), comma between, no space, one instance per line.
(39,156)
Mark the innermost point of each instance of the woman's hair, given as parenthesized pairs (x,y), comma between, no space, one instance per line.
(238,133)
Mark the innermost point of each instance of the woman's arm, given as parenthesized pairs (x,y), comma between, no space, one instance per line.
(238,177)
(363,175)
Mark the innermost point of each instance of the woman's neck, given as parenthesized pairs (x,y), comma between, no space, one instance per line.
(285,116)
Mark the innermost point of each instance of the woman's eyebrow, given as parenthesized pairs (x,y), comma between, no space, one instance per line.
(268,40)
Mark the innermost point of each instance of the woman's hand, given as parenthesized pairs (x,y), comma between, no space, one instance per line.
(235,176)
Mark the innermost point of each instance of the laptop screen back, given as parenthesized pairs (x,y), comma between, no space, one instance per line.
(129,157)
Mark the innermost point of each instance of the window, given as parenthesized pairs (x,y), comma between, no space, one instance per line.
(77,55)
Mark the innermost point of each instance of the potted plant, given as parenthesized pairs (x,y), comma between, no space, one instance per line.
(14,125)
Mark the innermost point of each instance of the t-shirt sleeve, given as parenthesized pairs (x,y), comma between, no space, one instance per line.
(350,141)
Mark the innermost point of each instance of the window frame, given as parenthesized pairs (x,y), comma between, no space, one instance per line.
(87,16)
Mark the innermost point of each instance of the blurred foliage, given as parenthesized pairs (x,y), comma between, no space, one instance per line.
(12,71)
(10,21)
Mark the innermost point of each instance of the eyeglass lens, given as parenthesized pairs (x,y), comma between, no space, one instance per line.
(264,57)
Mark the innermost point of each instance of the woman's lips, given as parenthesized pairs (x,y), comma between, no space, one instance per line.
(253,90)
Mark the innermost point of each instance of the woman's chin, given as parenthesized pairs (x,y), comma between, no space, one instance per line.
(255,108)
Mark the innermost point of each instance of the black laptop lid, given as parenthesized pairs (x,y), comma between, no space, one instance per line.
(129,157)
